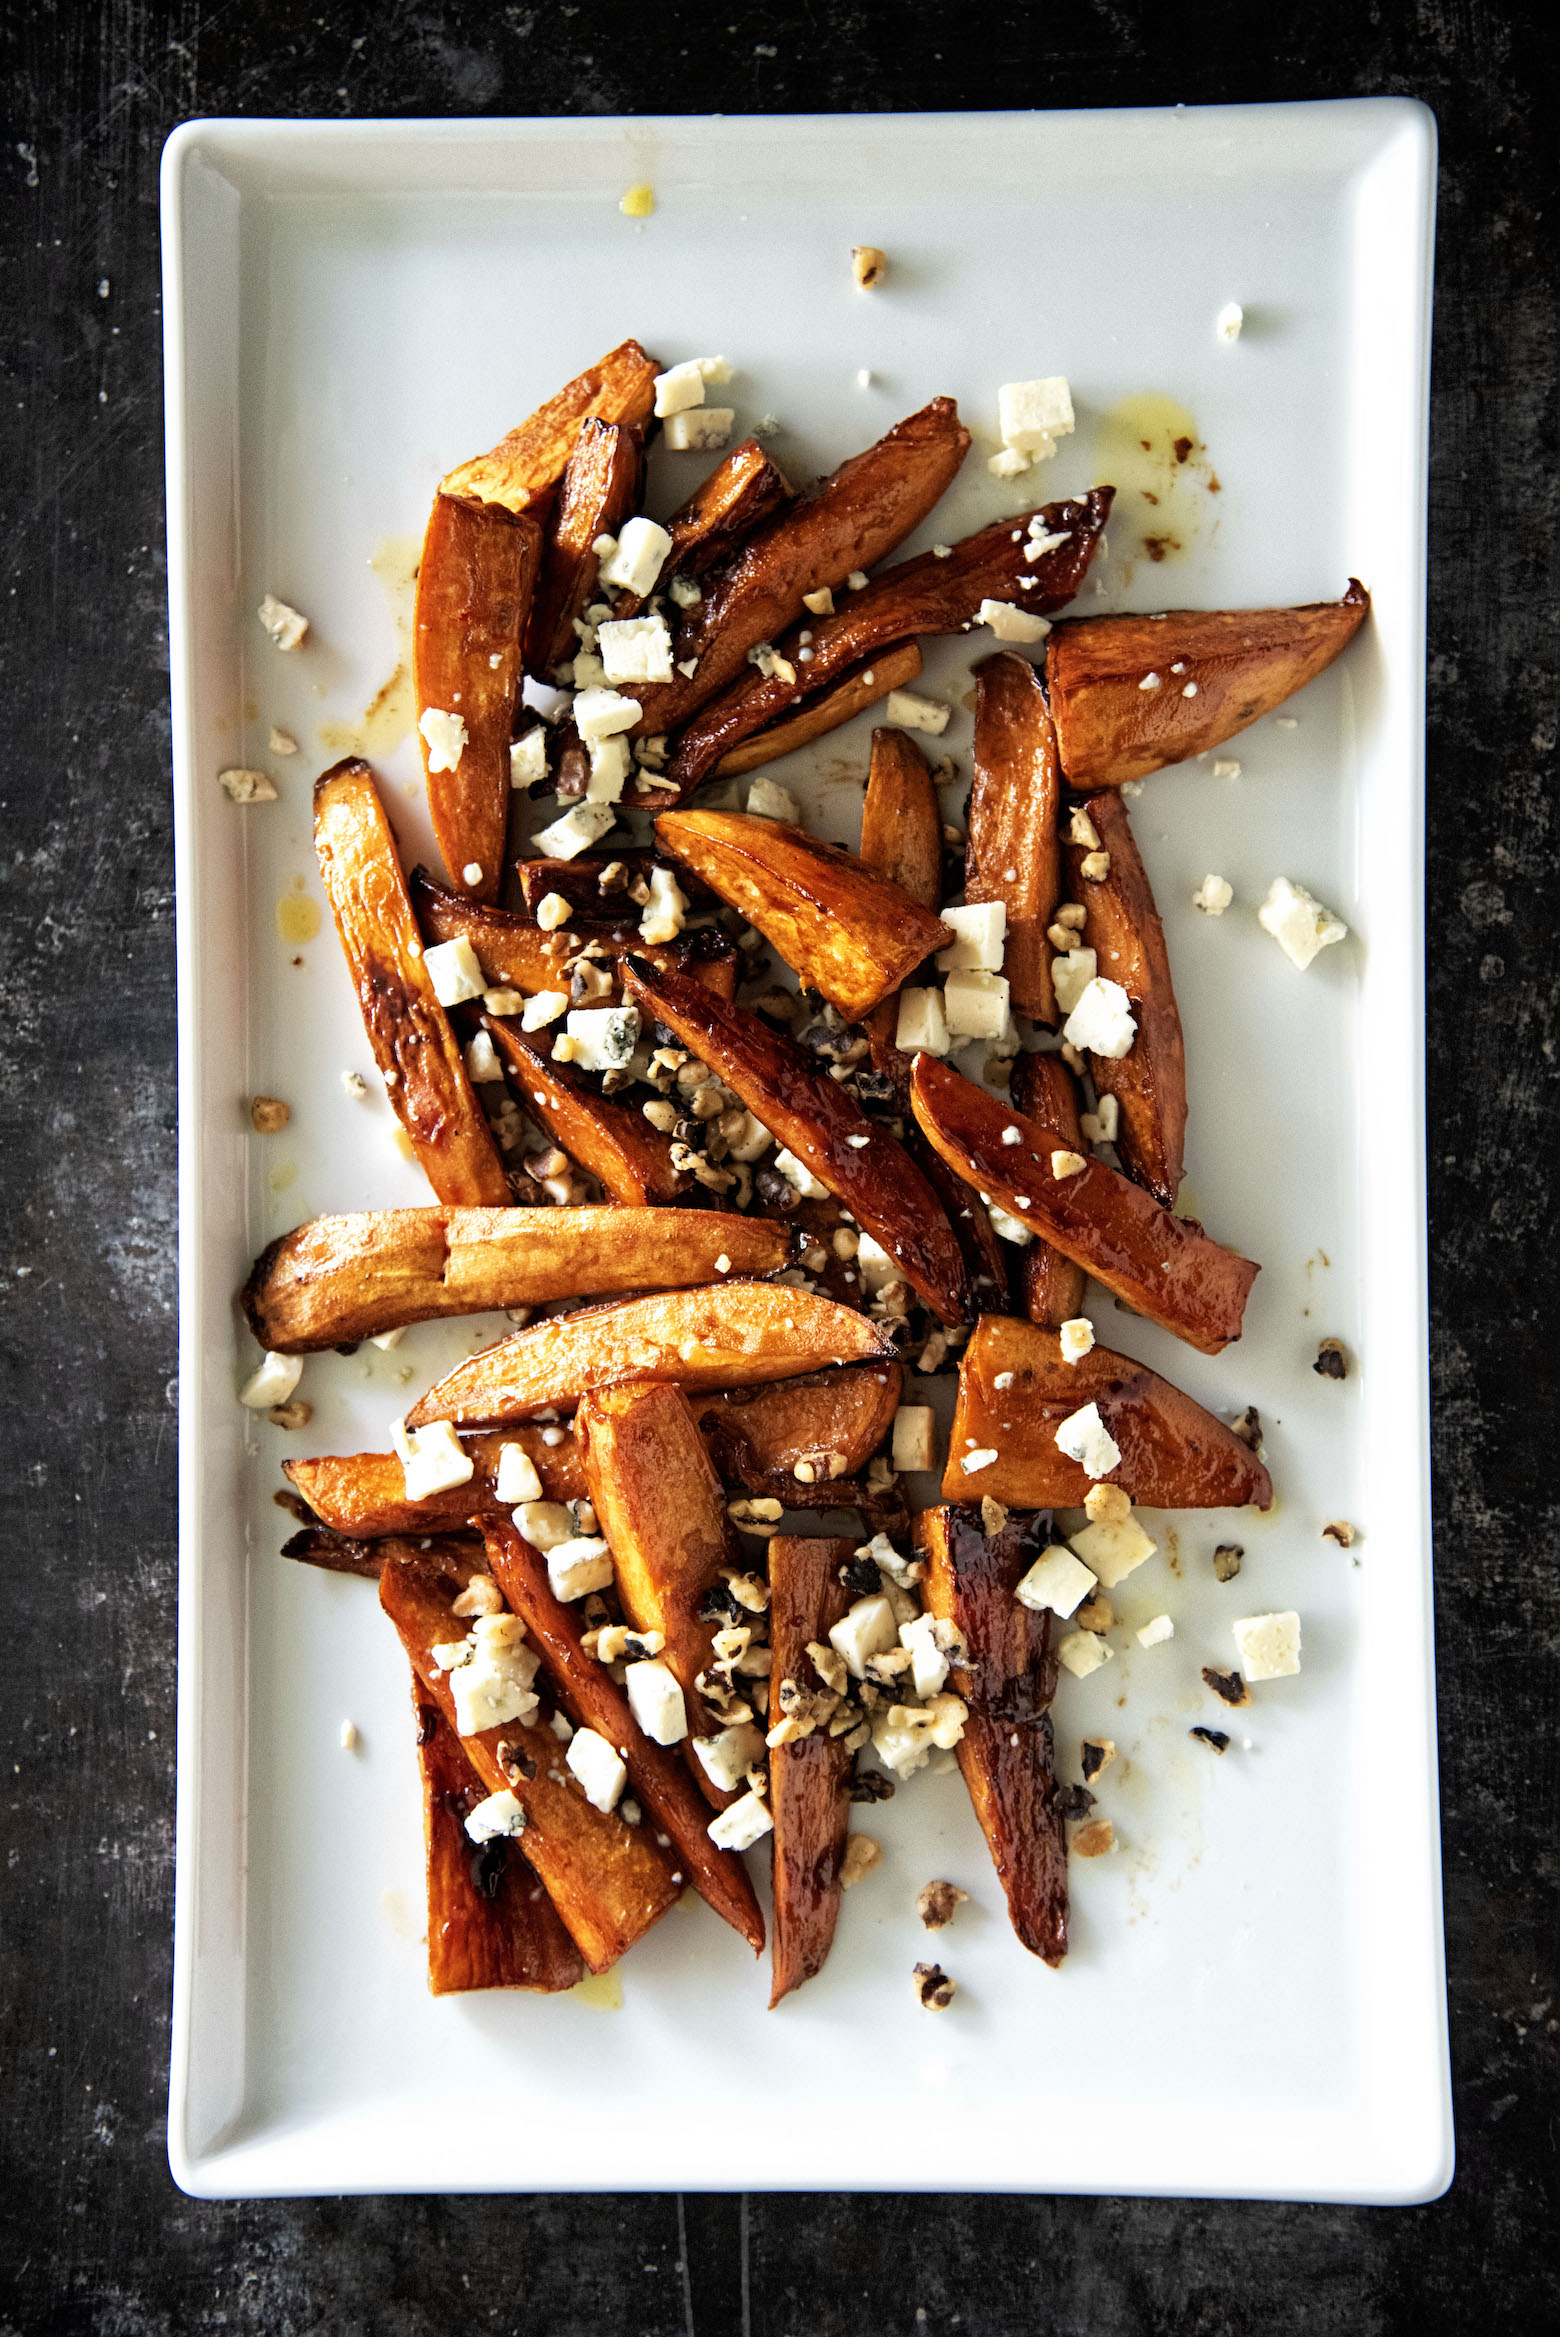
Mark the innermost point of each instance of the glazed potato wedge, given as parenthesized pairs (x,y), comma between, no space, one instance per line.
(363,1495)
(592,1698)
(601,483)
(730,1336)
(1218,671)
(340,1279)
(988,1260)
(659,1503)
(901,840)
(1161,1266)
(334,1553)
(858,688)
(844,930)
(813,1117)
(1013,853)
(594,902)
(608,1881)
(523,468)
(517,955)
(1174,1455)
(808,1779)
(858,515)
(490,1922)
(475,585)
(745,489)
(924,595)
(615,1142)
(830,1423)
(418,1055)
(1128,941)
(1007,1680)
(1045,1090)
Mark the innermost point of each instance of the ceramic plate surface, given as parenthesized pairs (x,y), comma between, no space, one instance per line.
(1254,2002)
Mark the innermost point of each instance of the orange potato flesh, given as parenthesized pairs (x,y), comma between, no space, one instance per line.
(516,954)
(901,839)
(613,1141)
(600,489)
(832,1422)
(1013,853)
(417,1052)
(1045,1090)
(364,1494)
(858,688)
(1162,1266)
(807,1779)
(524,467)
(1238,664)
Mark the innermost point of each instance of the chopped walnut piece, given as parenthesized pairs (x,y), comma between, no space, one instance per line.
(268,1115)
(1097,1754)
(481,1596)
(871,1785)
(1332,1361)
(1094,1839)
(1106,1505)
(1229,1687)
(297,1414)
(1247,1426)
(1339,1530)
(862,1854)
(867,264)
(934,1988)
(939,1903)
(1214,1737)
(1074,1802)
(830,1665)
(993,1516)
(1227,1560)
(1095,1614)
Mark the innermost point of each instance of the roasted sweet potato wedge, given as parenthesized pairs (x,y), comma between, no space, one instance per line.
(475,586)
(858,515)
(726,1337)
(858,688)
(335,1553)
(593,901)
(745,488)
(988,1260)
(516,954)
(659,1503)
(524,467)
(340,1279)
(363,1495)
(490,1922)
(1174,1455)
(1162,1266)
(1217,670)
(417,1053)
(1045,1090)
(924,595)
(807,1778)
(846,931)
(592,1699)
(812,1116)
(1124,931)
(614,1142)
(608,1881)
(901,839)
(830,1424)
(601,483)
(1013,853)
(1008,1680)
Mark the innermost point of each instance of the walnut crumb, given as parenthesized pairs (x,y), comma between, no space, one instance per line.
(1096,1613)
(1229,1687)
(1215,1738)
(1227,1560)
(1097,1753)
(868,264)
(1339,1530)
(934,1988)
(1332,1361)
(1094,1839)
(1107,1505)
(938,1904)
(862,1854)
(268,1115)
(1247,1426)
(297,1414)
(993,1516)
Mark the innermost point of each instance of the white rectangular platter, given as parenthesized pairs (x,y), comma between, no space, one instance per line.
(1254,2003)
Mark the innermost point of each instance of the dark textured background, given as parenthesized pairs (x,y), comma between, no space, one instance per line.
(92,2234)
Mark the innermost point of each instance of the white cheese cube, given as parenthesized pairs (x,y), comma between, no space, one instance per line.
(976,1004)
(1113,1550)
(980,928)
(455,971)
(699,430)
(1082,1652)
(602,713)
(901,1738)
(516,1479)
(874,1264)
(543,1007)
(388,1339)
(1032,415)
(247,786)
(604,1036)
(494,1683)
(727,1758)
(575,832)
(1213,896)
(482,1063)
(678,388)
(922,1024)
(1009,463)
(798,1175)
(821,602)
(1071,976)
(913,1442)
(1229,320)
(577,1566)
(1011,623)
(1084,1437)
(528,757)
(432,1459)
(598,1767)
(1101,1022)
(1103,1125)
(445,737)
(867,1629)
(745,1822)
(1056,1580)
(1077,1337)
(610,764)
(767,800)
(656,1702)
(1155,1634)
(715,369)
(635,649)
(552,705)
(665,910)
(928,1664)
(272,1383)
(1269,1645)
(636,559)
(285,625)
(913,712)
(1299,924)
(544,1524)
(494,1818)
(751,1141)
(1008,1228)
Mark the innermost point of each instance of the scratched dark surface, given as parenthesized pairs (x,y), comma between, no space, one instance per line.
(93,2236)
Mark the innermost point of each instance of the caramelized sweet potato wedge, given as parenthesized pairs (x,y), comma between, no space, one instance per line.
(924,595)
(1162,1266)
(340,1279)
(858,688)
(729,1336)
(363,1495)
(516,954)
(475,585)
(525,466)
(1008,1679)
(987,1258)
(812,1116)
(1218,670)
(614,1142)
(846,931)
(901,839)
(1013,853)
(858,515)
(808,1778)
(334,1553)
(1128,941)
(592,1699)
(1174,1455)
(490,1922)
(417,1053)
(1045,1090)
(745,488)
(608,1881)
(593,901)
(601,483)
(659,1503)
(831,1423)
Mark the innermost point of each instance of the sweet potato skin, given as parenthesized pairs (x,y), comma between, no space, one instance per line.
(1164,1267)
(734,1334)
(813,1117)
(756,1436)
(1044,1089)
(745,489)
(363,1495)
(1174,1455)
(517,955)
(524,467)
(608,1881)
(490,1922)
(592,1699)
(417,1052)
(1124,931)
(845,930)
(807,1779)
(1007,1681)
(1013,854)
(615,1142)
(579,883)
(859,687)
(1244,662)
(601,483)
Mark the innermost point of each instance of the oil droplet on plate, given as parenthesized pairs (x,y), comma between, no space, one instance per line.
(297,917)
(281,1174)
(602,1991)
(403,1144)
(391,712)
(1152,452)
(638,202)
